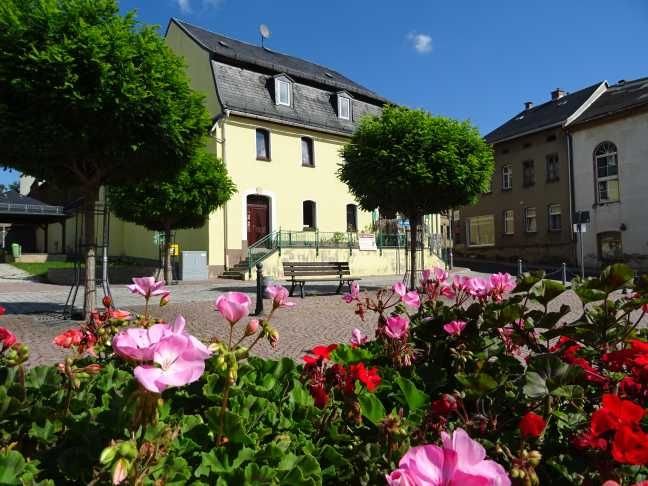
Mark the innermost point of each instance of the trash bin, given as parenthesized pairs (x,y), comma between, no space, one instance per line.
(16,250)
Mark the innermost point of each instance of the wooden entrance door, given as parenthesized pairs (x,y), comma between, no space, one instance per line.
(258,218)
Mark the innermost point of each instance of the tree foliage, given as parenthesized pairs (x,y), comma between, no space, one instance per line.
(184,201)
(414,163)
(89,97)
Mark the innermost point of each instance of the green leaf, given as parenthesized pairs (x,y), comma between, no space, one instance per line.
(528,280)
(546,290)
(535,386)
(345,354)
(12,465)
(477,384)
(617,276)
(414,397)
(46,433)
(371,407)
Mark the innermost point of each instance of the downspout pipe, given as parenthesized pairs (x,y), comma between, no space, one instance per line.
(570,176)
(223,116)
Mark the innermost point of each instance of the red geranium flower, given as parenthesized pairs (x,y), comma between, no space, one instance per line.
(444,405)
(321,353)
(2,310)
(630,446)
(614,414)
(7,338)
(320,396)
(531,425)
(368,377)
(82,340)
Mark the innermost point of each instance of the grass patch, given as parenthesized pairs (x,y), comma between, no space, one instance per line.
(40,269)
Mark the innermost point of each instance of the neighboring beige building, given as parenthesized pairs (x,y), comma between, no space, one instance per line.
(610,141)
(528,212)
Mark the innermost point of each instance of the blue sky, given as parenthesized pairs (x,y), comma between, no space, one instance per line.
(466,59)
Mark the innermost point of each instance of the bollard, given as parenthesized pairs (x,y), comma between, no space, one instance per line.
(259,290)
(519,267)
(564,273)
(451,259)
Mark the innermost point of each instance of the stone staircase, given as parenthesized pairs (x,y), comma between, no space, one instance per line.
(237,272)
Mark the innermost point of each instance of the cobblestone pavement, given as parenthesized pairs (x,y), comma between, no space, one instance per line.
(320,318)
(34,314)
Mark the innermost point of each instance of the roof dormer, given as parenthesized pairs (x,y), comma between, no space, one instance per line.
(283,90)
(344,105)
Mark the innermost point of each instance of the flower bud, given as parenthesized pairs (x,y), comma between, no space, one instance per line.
(535,457)
(241,353)
(164,300)
(107,301)
(107,455)
(120,471)
(128,449)
(92,369)
(273,337)
(252,327)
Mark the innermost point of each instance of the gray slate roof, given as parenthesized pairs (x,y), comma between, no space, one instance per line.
(244,81)
(251,92)
(547,114)
(617,98)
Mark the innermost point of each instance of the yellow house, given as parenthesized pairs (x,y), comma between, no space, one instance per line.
(279,123)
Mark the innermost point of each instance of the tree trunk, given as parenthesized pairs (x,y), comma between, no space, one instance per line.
(167,256)
(90,292)
(414,222)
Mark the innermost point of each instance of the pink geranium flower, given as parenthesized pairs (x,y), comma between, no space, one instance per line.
(478,287)
(177,365)
(233,306)
(353,294)
(279,296)
(397,326)
(500,284)
(454,328)
(147,287)
(460,460)
(410,299)
(358,338)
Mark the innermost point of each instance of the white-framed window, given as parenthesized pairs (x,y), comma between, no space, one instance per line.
(262,144)
(528,173)
(283,92)
(307,152)
(530,220)
(606,167)
(344,107)
(507,178)
(553,168)
(554,217)
(481,230)
(309,215)
(509,222)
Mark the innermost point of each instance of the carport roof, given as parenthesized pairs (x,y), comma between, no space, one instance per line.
(15,208)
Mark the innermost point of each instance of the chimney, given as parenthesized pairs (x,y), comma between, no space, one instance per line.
(528,105)
(557,94)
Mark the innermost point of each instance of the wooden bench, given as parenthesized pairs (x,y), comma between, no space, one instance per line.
(301,272)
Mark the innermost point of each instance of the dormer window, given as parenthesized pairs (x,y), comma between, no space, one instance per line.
(283,90)
(344,106)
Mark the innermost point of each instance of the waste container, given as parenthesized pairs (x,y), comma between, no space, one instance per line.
(16,250)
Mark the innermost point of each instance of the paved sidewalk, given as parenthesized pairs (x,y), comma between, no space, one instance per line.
(9,273)
(33,314)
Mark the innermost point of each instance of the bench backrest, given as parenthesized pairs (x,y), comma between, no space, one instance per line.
(315,269)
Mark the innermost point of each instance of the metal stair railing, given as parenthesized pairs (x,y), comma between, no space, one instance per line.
(262,249)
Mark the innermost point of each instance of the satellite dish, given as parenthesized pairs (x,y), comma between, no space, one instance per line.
(265,32)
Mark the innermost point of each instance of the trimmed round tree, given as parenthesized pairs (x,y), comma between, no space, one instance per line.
(90,97)
(184,201)
(413,163)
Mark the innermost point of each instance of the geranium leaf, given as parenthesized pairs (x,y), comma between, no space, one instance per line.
(414,397)
(371,407)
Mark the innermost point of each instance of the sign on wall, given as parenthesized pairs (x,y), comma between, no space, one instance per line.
(367,242)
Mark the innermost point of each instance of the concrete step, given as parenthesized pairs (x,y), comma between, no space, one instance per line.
(234,274)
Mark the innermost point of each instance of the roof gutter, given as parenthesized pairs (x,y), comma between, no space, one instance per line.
(528,132)
(290,123)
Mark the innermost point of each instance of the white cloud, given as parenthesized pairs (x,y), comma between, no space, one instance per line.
(421,42)
(185,5)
